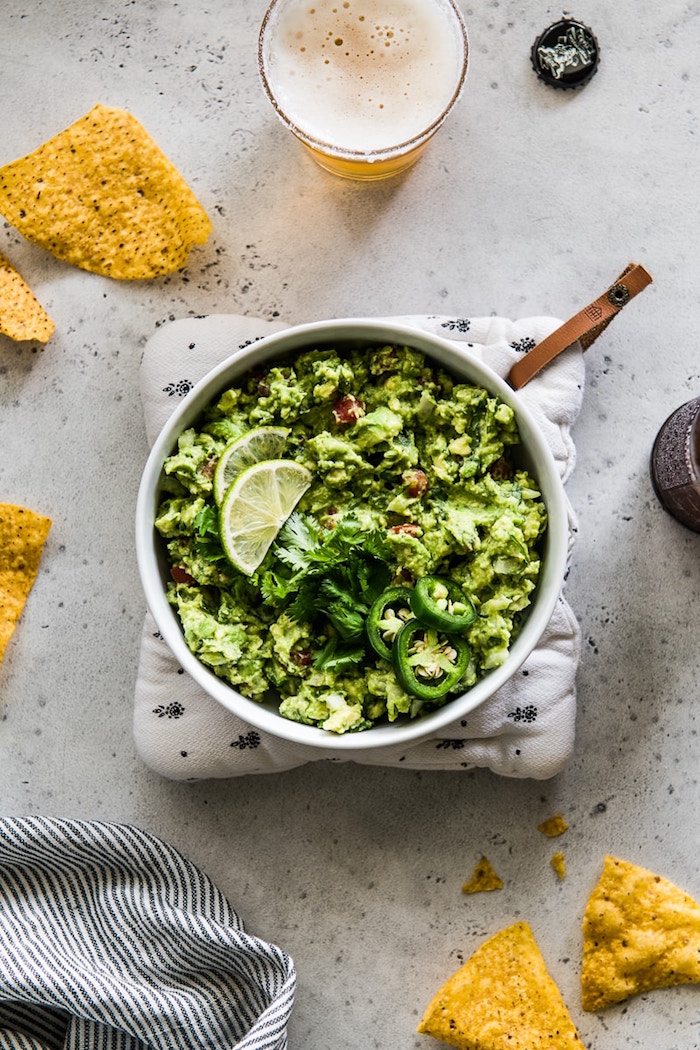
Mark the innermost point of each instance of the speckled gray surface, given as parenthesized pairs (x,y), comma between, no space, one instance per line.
(530,201)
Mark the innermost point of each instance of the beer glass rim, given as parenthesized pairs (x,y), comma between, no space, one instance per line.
(385,152)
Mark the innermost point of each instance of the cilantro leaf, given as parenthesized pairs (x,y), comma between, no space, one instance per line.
(297,541)
(304,607)
(335,656)
(207,542)
(343,609)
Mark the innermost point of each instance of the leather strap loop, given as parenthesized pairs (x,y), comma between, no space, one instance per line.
(585,326)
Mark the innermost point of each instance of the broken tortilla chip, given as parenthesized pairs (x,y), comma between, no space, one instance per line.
(21,315)
(22,537)
(559,864)
(102,196)
(639,932)
(553,826)
(483,879)
(501,997)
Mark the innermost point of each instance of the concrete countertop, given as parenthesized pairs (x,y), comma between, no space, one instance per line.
(530,201)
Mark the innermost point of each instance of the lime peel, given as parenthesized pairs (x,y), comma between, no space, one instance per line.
(252,447)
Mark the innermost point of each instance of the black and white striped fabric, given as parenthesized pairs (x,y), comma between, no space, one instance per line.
(112,940)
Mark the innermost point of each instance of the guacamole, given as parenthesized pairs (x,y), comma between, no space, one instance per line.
(413,476)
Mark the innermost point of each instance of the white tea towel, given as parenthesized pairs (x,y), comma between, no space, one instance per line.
(112,940)
(525,730)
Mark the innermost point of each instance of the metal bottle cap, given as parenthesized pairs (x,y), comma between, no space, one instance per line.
(565,55)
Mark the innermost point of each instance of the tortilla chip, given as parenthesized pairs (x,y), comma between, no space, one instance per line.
(22,537)
(639,932)
(102,196)
(21,316)
(553,826)
(483,879)
(559,864)
(502,997)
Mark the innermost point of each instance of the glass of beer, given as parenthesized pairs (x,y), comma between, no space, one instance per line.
(363,84)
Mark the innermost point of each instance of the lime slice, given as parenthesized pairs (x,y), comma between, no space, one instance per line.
(256,506)
(256,445)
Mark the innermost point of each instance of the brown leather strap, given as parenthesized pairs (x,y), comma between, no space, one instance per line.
(585,326)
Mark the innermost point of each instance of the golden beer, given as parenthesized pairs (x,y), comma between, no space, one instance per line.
(363,84)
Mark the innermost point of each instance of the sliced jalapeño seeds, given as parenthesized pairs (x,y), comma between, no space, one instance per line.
(427,662)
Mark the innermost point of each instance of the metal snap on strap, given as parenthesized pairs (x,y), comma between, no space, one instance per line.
(585,326)
(618,295)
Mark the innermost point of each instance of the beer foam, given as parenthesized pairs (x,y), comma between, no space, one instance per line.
(363,75)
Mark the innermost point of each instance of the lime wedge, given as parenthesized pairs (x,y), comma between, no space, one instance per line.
(256,506)
(258,444)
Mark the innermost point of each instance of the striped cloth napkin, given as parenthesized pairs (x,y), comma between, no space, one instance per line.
(526,729)
(112,940)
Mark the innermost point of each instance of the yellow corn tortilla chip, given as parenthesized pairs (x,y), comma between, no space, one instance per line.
(483,879)
(639,932)
(559,864)
(102,196)
(22,537)
(502,997)
(21,315)
(553,826)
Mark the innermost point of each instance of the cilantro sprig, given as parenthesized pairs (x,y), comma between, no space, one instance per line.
(320,574)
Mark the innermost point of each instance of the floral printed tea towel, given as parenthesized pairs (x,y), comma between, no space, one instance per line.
(525,730)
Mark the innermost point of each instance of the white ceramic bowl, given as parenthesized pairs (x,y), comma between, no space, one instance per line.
(535,455)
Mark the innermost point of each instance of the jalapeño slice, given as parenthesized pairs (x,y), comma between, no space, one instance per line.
(428,663)
(442,604)
(387,615)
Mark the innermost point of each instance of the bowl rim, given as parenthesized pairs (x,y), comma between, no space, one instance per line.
(349,330)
